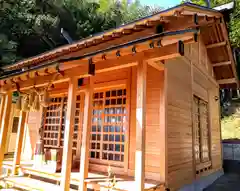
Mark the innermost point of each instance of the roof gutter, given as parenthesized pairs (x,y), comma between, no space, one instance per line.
(89,55)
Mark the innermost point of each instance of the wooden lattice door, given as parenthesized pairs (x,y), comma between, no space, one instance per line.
(201,129)
(109,124)
(54,123)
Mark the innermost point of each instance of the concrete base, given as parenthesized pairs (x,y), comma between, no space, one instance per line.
(203,182)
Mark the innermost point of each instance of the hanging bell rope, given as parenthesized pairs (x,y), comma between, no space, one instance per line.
(36,103)
(31,98)
(37,97)
(45,99)
(25,105)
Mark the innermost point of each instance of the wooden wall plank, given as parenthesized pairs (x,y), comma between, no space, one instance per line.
(179,123)
(216,147)
(154,124)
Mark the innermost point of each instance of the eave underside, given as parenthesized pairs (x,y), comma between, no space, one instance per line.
(215,37)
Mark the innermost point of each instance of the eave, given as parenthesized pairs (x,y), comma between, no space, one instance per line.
(186,13)
(180,18)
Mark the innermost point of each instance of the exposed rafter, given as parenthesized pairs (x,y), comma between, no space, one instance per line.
(159,65)
(221,64)
(215,45)
(80,68)
(227,81)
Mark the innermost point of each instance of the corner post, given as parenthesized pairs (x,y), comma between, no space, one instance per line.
(140,125)
(19,142)
(4,126)
(68,135)
(84,162)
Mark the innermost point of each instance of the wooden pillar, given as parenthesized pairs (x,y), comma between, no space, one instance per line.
(140,126)
(4,126)
(19,142)
(2,106)
(84,162)
(68,135)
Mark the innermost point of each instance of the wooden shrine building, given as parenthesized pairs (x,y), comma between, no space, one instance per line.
(142,98)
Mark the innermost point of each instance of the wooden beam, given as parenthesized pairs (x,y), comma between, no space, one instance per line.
(68,135)
(79,68)
(227,81)
(157,65)
(221,64)
(2,105)
(140,126)
(215,45)
(4,126)
(229,50)
(187,21)
(19,142)
(84,162)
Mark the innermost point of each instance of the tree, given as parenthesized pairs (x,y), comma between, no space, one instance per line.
(19,21)
(234,24)
(127,11)
(30,27)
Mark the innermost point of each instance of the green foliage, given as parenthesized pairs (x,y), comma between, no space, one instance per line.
(230,121)
(230,127)
(30,27)
(213,3)
(234,24)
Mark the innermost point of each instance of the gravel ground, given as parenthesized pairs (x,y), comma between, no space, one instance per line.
(230,181)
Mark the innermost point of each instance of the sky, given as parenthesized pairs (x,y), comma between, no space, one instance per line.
(161,3)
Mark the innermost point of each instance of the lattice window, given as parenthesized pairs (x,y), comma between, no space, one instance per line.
(77,140)
(196,124)
(54,123)
(201,128)
(108,125)
(203,107)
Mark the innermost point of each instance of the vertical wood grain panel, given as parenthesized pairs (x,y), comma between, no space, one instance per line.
(68,135)
(154,124)
(140,125)
(179,123)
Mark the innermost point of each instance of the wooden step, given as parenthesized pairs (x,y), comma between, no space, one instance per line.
(27,183)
